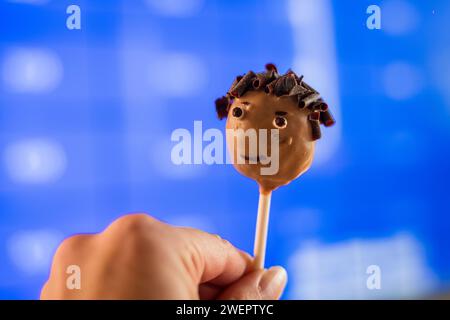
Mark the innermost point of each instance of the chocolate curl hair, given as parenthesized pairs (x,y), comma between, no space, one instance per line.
(288,84)
(314,119)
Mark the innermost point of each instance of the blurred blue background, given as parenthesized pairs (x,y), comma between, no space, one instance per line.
(86,118)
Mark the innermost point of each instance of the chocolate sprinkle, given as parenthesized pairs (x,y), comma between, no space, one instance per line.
(318,105)
(315,128)
(298,90)
(241,87)
(327,118)
(236,80)
(260,81)
(323,106)
(308,100)
(289,85)
(271,67)
(315,125)
(222,105)
(315,116)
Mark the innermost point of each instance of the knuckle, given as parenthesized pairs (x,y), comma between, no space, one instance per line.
(70,251)
(70,246)
(136,233)
(133,224)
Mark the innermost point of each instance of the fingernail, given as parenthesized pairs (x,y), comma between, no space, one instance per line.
(272,283)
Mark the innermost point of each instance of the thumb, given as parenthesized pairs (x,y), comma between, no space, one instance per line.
(257,285)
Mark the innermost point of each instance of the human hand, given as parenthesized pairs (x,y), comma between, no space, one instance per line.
(139,257)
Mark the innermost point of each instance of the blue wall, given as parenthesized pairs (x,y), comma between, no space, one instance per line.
(86,117)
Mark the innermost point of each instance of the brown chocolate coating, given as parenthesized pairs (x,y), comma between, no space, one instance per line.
(296,144)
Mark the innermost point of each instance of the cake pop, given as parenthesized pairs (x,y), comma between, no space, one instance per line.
(272,103)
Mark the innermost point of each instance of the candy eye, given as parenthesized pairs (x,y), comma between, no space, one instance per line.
(280,122)
(238,112)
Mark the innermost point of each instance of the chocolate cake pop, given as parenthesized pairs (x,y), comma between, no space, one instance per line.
(268,102)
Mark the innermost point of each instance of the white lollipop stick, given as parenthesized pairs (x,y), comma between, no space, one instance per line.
(262,225)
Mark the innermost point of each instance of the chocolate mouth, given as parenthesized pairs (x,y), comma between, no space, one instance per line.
(258,158)
(253,159)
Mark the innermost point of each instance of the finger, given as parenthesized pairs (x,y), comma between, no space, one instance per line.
(215,260)
(208,291)
(257,285)
(72,251)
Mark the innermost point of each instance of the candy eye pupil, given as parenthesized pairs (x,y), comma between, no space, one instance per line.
(237,112)
(280,122)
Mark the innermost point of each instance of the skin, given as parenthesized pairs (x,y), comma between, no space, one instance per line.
(139,257)
(296,146)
